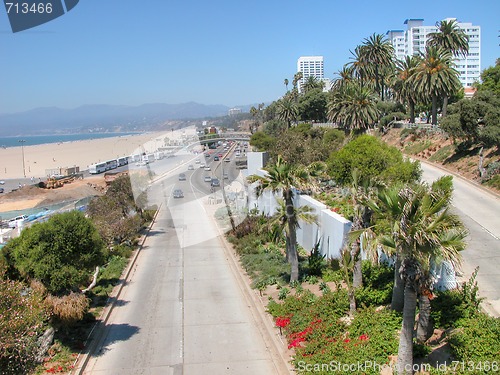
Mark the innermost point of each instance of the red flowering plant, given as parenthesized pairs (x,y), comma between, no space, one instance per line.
(282,322)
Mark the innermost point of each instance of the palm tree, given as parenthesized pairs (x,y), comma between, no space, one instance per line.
(354,107)
(282,178)
(312,83)
(286,84)
(279,222)
(435,77)
(423,229)
(405,90)
(360,66)
(346,76)
(450,37)
(378,52)
(287,110)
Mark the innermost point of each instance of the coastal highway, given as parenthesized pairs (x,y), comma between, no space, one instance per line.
(183,309)
(480,212)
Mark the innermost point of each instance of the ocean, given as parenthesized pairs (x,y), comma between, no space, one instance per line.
(57,138)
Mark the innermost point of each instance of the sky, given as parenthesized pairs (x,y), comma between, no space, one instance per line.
(229,52)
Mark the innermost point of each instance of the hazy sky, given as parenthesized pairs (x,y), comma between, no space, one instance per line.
(213,52)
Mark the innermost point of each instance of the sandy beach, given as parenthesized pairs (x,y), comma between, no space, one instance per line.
(39,158)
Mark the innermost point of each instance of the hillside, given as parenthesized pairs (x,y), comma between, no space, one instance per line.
(439,149)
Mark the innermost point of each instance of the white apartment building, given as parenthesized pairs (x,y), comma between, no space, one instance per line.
(310,66)
(414,39)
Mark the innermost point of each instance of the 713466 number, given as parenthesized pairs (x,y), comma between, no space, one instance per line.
(27,8)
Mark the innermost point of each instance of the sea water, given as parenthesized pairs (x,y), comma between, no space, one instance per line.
(56,138)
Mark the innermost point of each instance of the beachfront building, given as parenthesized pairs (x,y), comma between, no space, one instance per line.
(413,40)
(310,66)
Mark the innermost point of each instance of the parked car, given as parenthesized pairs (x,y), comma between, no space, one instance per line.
(17,221)
(178,193)
(191,167)
(208,179)
(182,177)
(215,182)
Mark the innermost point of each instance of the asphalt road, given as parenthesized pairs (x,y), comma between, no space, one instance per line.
(480,212)
(182,310)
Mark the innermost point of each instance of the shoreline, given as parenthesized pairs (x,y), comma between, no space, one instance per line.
(81,153)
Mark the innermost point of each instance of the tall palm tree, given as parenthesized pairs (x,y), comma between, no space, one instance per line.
(450,37)
(378,53)
(423,228)
(354,107)
(286,84)
(287,110)
(282,178)
(360,66)
(405,89)
(345,76)
(435,77)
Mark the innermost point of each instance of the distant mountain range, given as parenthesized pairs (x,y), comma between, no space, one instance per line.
(103,118)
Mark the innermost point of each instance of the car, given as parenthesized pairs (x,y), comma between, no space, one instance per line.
(191,167)
(197,161)
(225,176)
(227,160)
(207,168)
(1,190)
(202,165)
(2,182)
(17,221)
(208,179)
(215,182)
(182,177)
(220,155)
(178,193)
(216,158)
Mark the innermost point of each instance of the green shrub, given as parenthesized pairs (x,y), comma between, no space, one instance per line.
(477,340)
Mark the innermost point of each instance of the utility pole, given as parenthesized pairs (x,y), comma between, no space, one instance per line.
(23,141)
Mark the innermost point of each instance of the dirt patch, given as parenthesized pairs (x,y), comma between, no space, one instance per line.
(33,196)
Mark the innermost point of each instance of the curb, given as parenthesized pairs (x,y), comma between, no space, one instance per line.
(96,334)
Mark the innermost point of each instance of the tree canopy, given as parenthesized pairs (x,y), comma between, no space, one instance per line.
(61,252)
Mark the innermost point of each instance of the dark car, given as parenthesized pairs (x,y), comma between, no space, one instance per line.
(1,190)
(215,182)
(216,158)
(178,193)
(182,177)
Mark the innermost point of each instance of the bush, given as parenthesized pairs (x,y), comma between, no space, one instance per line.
(61,253)
(68,309)
(24,316)
(477,341)
(373,159)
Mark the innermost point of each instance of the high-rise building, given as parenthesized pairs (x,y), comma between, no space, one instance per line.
(310,66)
(414,39)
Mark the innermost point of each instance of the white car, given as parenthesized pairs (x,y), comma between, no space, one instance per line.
(197,161)
(202,165)
(207,168)
(208,179)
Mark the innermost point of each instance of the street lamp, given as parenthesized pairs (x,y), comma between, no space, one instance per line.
(22,142)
